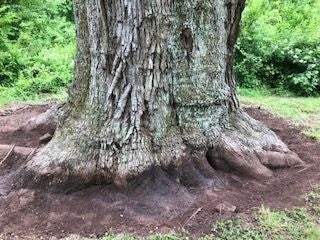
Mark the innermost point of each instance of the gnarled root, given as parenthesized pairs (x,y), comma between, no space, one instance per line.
(248,147)
(48,119)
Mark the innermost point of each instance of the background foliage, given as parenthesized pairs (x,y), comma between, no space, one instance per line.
(279,46)
(36,46)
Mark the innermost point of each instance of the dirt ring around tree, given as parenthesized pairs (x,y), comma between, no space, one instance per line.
(155,202)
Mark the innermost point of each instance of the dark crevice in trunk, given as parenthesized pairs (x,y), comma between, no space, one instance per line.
(217,162)
(235,9)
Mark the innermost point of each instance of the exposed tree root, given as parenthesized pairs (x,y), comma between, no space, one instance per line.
(250,148)
(244,147)
(48,119)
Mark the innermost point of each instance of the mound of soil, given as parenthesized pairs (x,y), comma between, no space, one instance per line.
(154,203)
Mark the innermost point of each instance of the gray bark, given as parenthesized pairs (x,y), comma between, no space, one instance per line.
(153,81)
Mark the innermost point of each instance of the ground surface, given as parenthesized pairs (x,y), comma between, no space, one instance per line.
(26,214)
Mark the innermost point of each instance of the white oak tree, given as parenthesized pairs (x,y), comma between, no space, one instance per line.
(153,85)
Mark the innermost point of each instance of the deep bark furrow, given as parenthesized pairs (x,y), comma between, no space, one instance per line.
(235,8)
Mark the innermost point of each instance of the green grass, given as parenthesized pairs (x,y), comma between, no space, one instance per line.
(9,96)
(301,111)
(295,224)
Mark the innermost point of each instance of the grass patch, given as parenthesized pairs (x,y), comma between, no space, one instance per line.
(10,96)
(296,224)
(313,202)
(301,111)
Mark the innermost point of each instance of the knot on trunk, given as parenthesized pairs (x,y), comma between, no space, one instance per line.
(186,38)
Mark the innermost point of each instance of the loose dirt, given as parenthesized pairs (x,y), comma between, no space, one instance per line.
(154,203)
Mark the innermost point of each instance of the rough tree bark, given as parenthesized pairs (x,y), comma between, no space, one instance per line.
(153,84)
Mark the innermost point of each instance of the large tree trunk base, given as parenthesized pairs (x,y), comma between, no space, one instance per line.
(244,147)
(154,87)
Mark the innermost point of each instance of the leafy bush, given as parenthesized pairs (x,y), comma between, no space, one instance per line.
(279,46)
(36,45)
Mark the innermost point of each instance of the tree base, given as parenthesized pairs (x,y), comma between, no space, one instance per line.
(243,146)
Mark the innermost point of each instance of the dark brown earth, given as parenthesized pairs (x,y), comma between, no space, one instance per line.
(154,203)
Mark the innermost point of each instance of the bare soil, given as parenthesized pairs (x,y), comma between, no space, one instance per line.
(156,202)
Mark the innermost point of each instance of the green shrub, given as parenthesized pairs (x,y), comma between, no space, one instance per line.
(279,46)
(37,45)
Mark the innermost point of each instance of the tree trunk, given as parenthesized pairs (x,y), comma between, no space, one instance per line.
(153,85)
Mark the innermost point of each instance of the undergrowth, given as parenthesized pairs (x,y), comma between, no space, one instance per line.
(279,46)
(37,48)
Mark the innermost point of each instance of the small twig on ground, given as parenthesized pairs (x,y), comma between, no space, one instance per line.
(305,169)
(193,215)
(299,166)
(8,155)
(31,154)
(236,179)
